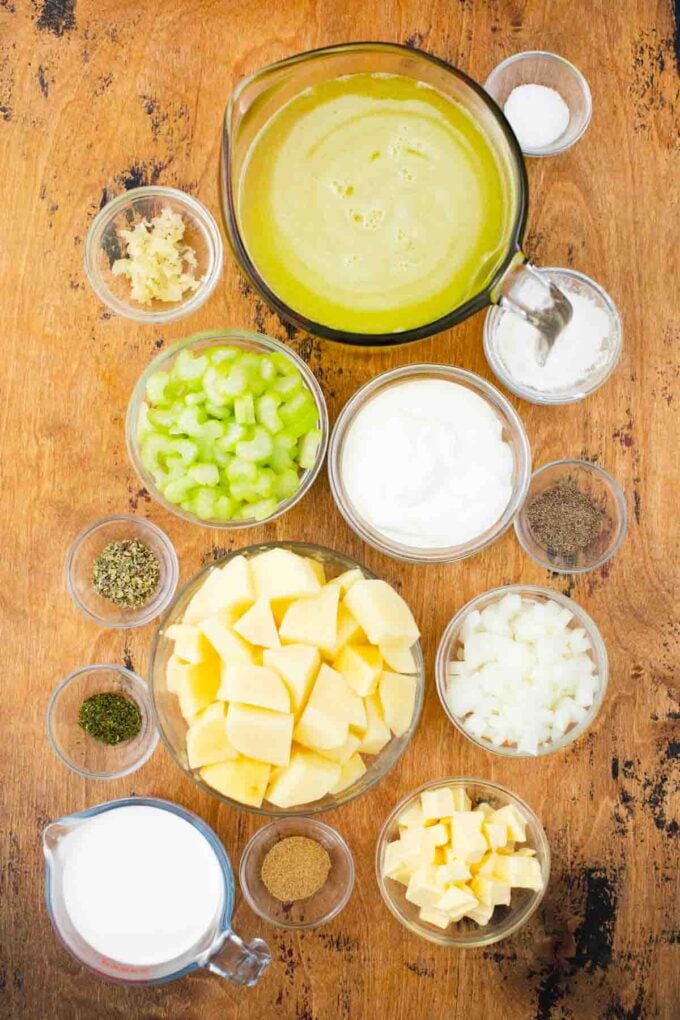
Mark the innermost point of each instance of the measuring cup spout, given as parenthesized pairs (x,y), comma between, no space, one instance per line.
(242,962)
(53,834)
(527,293)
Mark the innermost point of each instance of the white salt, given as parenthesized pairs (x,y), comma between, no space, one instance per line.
(538,115)
(140,884)
(581,349)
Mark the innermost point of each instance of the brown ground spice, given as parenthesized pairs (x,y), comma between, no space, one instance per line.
(565,520)
(295,868)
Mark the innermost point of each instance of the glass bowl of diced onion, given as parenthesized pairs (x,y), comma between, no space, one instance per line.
(521,671)
(411,892)
(173,726)
(194,455)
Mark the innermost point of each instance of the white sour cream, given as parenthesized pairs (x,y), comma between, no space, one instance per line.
(424,463)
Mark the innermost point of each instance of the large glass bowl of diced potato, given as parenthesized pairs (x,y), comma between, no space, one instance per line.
(462,862)
(287,679)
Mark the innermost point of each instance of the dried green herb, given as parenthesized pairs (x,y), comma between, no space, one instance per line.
(110,718)
(565,520)
(126,573)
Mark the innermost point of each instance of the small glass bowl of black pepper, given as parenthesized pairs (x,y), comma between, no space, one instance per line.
(574,517)
(100,722)
(294,873)
(122,571)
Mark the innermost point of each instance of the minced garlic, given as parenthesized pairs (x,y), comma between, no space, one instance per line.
(159,265)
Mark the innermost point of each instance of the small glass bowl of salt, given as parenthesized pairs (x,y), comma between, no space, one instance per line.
(582,358)
(545,98)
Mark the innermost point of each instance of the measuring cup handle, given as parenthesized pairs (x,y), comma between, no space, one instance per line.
(529,294)
(242,962)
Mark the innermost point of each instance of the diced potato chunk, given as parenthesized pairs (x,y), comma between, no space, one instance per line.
(190,644)
(243,780)
(352,770)
(253,685)
(398,698)
(298,666)
(226,588)
(349,578)
(307,778)
(346,751)
(320,731)
(398,657)
(260,733)
(313,620)
(332,695)
(257,625)
(361,666)
(377,733)
(349,632)
(207,741)
(196,686)
(282,574)
(382,613)
(229,645)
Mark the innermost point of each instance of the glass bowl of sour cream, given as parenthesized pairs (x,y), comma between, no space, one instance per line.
(429,463)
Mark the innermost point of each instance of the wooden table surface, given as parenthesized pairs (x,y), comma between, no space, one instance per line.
(101,95)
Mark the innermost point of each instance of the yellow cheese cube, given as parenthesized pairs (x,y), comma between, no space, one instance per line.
(514,820)
(361,666)
(519,872)
(437,803)
(481,913)
(312,620)
(525,851)
(487,866)
(433,916)
(377,733)
(260,733)
(253,685)
(461,799)
(435,835)
(207,741)
(352,770)
(399,855)
(397,697)
(242,780)
(298,666)
(229,646)
(454,871)
(412,815)
(257,625)
(490,891)
(485,808)
(423,888)
(455,900)
(307,778)
(467,841)
(496,834)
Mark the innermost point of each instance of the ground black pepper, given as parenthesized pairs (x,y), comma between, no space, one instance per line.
(110,718)
(564,519)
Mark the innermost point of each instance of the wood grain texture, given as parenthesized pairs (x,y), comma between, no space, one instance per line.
(99,96)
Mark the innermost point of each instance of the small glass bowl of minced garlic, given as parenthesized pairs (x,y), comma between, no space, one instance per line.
(153,254)
(122,571)
(297,873)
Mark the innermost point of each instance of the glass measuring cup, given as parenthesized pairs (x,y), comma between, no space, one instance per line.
(511,282)
(238,961)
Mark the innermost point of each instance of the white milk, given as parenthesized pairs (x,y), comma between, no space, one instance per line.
(140,884)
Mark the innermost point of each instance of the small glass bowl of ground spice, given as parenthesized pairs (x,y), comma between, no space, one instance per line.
(574,517)
(122,571)
(100,722)
(297,873)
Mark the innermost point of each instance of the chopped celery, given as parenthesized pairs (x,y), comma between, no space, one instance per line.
(244,409)
(155,387)
(160,418)
(283,364)
(241,470)
(178,489)
(259,448)
(204,503)
(204,474)
(184,448)
(220,355)
(189,368)
(266,413)
(261,510)
(308,448)
(286,484)
(233,433)
(224,508)
(287,385)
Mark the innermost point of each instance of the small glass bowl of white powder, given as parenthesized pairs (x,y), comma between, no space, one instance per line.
(429,463)
(545,98)
(582,358)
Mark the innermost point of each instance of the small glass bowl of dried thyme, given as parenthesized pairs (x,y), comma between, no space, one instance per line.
(574,517)
(122,571)
(297,873)
(100,722)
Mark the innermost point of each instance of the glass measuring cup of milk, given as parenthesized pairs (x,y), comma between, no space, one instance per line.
(395,189)
(141,891)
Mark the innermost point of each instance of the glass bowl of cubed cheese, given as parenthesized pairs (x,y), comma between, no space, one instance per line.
(462,862)
(287,679)
(522,671)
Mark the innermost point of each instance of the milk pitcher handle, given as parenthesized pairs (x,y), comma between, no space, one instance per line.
(526,292)
(242,962)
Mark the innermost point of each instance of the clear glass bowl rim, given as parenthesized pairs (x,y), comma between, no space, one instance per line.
(443,939)
(619,498)
(328,830)
(484,389)
(553,150)
(528,393)
(152,609)
(444,650)
(315,807)
(230,336)
(143,691)
(208,226)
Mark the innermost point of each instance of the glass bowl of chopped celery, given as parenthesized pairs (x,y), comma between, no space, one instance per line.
(153,254)
(521,671)
(122,571)
(462,862)
(227,429)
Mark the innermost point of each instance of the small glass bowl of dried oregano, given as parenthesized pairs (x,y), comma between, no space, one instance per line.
(100,722)
(297,873)
(122,571)
(574,517)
